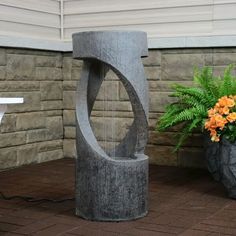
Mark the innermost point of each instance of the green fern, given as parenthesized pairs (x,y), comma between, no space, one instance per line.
(228,83)
(192,103)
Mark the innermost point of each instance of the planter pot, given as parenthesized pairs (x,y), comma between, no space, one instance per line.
(212,157)
(228,166)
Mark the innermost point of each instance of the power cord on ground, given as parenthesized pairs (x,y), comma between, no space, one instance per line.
(32,199)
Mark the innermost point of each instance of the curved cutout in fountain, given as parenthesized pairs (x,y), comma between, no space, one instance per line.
(111,188)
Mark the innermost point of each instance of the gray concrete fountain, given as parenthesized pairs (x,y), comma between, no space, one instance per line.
(111,187)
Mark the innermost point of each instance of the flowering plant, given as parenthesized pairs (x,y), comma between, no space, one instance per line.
(222,119)
(209,104)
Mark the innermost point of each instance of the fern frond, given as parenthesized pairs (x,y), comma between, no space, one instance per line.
(192,103)
(189,114)
(228,83)
(186,132)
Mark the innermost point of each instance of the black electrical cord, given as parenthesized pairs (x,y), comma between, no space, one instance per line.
(32,199)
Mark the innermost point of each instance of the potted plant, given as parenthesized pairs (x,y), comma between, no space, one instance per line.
(210,104)
(221,124)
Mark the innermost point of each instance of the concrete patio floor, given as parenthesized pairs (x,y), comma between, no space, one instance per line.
(183,202)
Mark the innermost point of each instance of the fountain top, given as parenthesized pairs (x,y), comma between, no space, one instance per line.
(92,44)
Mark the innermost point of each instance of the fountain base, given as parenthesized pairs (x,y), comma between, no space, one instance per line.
(112,191)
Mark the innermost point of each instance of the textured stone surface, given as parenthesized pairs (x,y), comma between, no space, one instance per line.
(35,127)
(32,120)
(20,67)
(27,154)
(69,99)
(159,100)
(104,124)
(8,157)
(50,145)
(50,155)
(2,72)
(153,72)
(8,123)
(54,127)
(163,155)
(12,139)
(48,73)
(37,135)
(41,77)
(69,85)
(224,58)
(113,105)
(164,67)
(180,66)
(51,90)
(123,93)
(34,153)
(49,61)
(51,105)
(118,191)
(69,117)
(20,86)
(212,157)
(227,156)
(31,101)
(109,91)
(69,148)
(3,60)
(153,59)
(69,132)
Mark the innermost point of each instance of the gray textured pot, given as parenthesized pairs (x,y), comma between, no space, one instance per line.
(111,187)
(228,166)
(212,156)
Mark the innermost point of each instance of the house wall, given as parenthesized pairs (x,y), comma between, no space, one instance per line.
(30,18)
(162,18)
(43,128)
(49,24)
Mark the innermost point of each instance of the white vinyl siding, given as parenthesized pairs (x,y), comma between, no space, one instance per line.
(224,16)
(30,18)
(167,22)
(159,18)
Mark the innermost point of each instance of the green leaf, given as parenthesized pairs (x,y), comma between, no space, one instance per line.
(193,102)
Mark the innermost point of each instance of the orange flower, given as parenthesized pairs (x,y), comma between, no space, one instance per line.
(231,117)
(215,138)
(213,132)
(212,112)
(226,102)
(217,105)
(220,121)
(233,96)
(224,111)
(220,115)
(210,123)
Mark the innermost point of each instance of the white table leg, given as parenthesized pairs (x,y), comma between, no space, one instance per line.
(3,108)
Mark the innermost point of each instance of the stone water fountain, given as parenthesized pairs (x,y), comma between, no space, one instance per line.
(113,185)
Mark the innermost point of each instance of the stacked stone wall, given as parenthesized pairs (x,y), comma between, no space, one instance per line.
(163,68)
(43,128)
(31,132)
